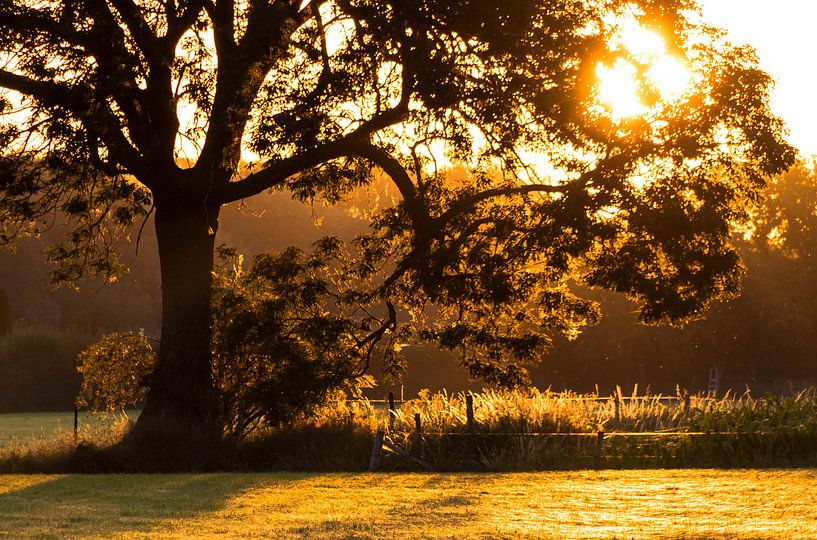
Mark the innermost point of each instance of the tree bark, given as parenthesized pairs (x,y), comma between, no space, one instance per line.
(182,393)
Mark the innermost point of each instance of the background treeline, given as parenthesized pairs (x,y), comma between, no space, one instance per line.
(766,338)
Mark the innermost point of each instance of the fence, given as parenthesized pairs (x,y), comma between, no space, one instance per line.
(613,440)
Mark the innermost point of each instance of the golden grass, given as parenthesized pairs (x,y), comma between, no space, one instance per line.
(583,504)
(527,411)
(511,434)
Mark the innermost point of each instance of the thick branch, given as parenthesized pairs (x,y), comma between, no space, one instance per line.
(50,93)
(223,17)
(468,203)
(242,69)
(275,173)
(142,34)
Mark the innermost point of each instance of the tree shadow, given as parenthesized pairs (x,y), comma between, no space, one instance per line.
(279,504)
(80,505)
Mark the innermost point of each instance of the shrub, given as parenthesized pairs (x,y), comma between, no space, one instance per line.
(114,371)
(282,340)
(282,347)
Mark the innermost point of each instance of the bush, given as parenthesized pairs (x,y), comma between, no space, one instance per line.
(282,343)
(114,372)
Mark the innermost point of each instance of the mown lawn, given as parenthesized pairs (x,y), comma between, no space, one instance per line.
(584,504)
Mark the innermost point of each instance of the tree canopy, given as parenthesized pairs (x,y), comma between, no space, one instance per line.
(114,105)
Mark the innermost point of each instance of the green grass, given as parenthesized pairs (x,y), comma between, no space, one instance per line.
(18,428)
(581,504)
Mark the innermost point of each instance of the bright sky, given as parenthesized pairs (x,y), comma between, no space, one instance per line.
(785,36)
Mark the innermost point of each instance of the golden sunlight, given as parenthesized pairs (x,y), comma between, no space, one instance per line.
(645,60)
(783,34)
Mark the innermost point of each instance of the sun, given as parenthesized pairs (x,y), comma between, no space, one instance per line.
(645,64)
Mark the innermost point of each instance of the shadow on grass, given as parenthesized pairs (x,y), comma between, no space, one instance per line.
(80,505)
(272,505)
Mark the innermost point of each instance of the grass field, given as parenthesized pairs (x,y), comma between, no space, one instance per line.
(583,504)
(20,427)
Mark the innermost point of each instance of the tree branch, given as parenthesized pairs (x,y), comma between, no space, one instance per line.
(79,101)
(466,204)
(275,173)
(75,98)
(144,37)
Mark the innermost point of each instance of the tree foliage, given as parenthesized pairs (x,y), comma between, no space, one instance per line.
(284,336)
(283,341)
(327,93)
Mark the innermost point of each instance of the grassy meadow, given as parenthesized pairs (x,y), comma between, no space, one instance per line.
(580,504)
(16,428)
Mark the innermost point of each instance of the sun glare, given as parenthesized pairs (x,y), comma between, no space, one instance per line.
(618,89)
(645,60)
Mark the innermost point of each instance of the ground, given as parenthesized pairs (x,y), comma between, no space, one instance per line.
(583,504)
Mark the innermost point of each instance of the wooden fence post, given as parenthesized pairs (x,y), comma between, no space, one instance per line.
(376,461)
(392,412)
(418,426)
(617,402)
(469,411)
(686,403)
(599,444)
(76,422)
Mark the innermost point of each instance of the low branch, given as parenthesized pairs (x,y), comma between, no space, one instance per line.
(74,98)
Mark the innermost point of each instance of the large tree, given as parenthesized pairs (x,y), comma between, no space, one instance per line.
(115,105)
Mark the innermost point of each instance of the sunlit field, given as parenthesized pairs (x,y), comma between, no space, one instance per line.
(586,504)
(22,427)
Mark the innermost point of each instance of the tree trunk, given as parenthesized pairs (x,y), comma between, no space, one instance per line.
(182,395)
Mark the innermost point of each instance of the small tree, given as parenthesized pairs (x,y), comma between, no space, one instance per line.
(115,371)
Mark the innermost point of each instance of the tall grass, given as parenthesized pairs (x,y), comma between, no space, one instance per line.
(544,430)
(525,430)
(536,411)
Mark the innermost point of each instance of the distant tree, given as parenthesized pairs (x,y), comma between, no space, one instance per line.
(6,322)
(107,96)
(38,368)
(766,338)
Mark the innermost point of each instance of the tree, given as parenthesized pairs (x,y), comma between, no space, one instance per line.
(6,323)
(114,105)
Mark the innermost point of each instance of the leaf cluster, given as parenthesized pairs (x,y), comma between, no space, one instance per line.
(114,372)
(288,331)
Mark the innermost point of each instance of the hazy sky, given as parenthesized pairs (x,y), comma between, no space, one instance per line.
(785,35)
